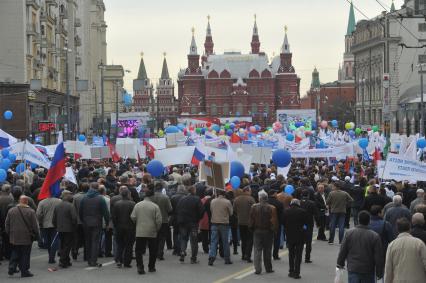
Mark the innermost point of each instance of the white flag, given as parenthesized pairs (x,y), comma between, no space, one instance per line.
(26,151)
(69,175)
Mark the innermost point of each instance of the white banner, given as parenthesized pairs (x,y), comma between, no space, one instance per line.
(402,169)
(26,151)
(159,143)
(69,175)
(346,150)
(176,155)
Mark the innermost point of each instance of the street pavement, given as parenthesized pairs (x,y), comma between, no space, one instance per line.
(171,270)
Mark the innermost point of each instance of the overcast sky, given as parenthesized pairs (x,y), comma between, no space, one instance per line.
(316,30)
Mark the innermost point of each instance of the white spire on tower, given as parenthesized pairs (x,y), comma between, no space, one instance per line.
(193,47)
(285,48)
(209,30)
(255,32)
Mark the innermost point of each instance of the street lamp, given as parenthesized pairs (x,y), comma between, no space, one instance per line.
(117,83)
(422,113)
(67,50)
(102,67)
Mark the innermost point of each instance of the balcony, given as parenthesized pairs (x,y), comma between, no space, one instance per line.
(78,61)
(32,29)
(34,3)
(77,23)
(52,3)
(77,41)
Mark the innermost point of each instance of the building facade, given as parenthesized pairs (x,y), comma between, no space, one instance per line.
(235,84)
(336,100)
(386,71)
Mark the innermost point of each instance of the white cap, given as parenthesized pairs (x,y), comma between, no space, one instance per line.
(272,177)
(420,191)
(347,178)
(334,178)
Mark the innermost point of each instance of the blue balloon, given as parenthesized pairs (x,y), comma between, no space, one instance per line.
(181,126)
(321,144)
(5,153)
(82,138)
(11,157)
(334,123)
(216,128)
(155,168)
(421,143)
(290,137)
(363,143)
(5,164)
(352,133)
(172,130)
(314,125)
(258,128)
(203,131)
(299,124)
(232,125)
(289,189)
(281,157)
(3,175)
(237,169)
(20,168)
(235,182)
(8,114)
(229,132)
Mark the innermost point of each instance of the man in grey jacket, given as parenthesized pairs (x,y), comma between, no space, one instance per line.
(49,235)
(362,250)
(65,222)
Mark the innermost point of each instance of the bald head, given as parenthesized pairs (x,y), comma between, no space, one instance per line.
(23,199)
(418,219)
(397,200)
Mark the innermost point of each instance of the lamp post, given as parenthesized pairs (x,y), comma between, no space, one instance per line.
(118,85)
(422,110)
(101,66)
(67,50)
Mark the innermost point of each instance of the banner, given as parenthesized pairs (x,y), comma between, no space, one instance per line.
(400,168)
(26,151)
(176,155)
(69,176)
(341,151)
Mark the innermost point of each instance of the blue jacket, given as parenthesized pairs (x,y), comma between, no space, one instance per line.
(384,229)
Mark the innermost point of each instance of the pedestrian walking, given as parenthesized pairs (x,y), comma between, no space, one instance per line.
(320,201)
(263,221)
(22,228)
(312,211)
(65,223)
(147,217)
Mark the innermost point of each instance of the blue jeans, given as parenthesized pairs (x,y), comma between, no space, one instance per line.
(222,231)
(337,219)
(355,277)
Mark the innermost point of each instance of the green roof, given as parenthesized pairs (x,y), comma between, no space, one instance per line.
(165,71)
(315,79)
(392,9)
(351,21)
(142,71)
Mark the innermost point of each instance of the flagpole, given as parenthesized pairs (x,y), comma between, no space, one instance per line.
(23,158)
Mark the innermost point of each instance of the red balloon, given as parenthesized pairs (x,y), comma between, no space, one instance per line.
(208,124)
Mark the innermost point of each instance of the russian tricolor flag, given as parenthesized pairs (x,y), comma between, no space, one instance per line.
(197,157)
(51,185)
(6,140)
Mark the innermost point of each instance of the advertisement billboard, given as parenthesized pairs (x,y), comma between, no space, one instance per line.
(289,117)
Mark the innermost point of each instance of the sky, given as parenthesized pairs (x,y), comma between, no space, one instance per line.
(316,30)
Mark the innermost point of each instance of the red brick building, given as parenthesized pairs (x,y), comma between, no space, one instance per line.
(236,84)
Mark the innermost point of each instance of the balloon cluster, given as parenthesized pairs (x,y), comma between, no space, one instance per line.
(6,160)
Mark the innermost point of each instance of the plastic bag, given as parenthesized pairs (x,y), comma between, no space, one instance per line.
(339,275)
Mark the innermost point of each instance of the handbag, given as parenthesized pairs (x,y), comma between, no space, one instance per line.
(33,235)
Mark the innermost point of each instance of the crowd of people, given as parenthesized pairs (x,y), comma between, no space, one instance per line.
(119,210)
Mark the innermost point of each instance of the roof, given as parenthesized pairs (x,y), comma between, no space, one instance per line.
(165,70)
(392,9)
(237,64)
(142,71)
(351,20)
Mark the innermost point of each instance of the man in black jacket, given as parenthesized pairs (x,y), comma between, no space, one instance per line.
(357,193)
(272,200)
(373,198)
(312,211)
(65,222)
(362,250)
(174,200)
(320,201)
(295,221)
(189,213)
(124,228)
(93,208)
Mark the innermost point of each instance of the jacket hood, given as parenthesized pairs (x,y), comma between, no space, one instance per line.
(92,193)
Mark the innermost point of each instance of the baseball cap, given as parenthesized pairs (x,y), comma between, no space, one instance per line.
(347,178)
(420,191)
(334,178)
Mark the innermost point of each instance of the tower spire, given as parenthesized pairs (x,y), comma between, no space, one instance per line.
(285,48)
(351,20)
(165,70)
(208,42)
(392,9)
(193,47)
(255,43)
(142,71)
(209,30)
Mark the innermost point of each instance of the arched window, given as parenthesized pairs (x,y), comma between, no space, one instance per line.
(266,109)
(240,108)
(213,109)
(225,109)
(253,108)
(193,110)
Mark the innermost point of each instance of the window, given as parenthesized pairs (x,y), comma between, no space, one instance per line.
(422,58)
(253,108)
(213,109)
(225,109)
(193,110)
(266,109)
(422,27)
(240,108)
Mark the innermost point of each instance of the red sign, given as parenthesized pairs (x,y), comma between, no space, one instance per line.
(46,126)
